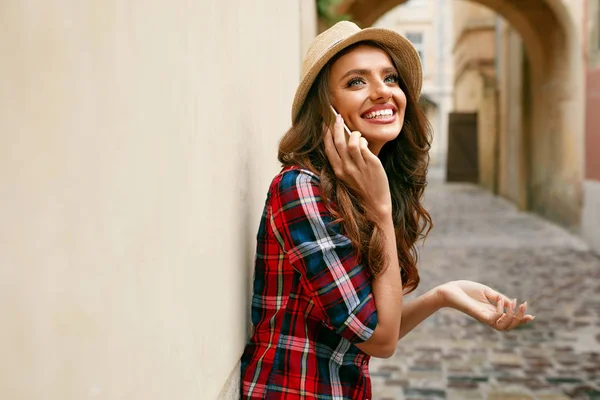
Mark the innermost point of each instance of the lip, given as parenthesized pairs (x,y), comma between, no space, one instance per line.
(386,120)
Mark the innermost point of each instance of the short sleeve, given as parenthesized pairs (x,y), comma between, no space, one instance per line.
(326,259)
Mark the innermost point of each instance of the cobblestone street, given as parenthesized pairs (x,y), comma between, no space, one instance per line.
(451,356)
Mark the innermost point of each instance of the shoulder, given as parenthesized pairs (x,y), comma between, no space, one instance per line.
(296,192)
(295,180)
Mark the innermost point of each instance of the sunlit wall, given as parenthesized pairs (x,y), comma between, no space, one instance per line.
(137,141)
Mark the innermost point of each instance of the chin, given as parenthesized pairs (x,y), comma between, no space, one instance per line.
(382,134)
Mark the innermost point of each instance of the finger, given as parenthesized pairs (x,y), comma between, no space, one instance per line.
(518,318)
(502,322)
(523,308)
(528,318)
(331,151)
(367,154)
(495,296)
(354,148)
(500,306)
(364,145)
(499,312)
(339,138)
(364,148)
(510,312)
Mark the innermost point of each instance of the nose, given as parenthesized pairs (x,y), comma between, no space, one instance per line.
(381,91)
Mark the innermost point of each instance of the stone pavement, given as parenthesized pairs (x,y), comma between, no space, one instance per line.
(450,356)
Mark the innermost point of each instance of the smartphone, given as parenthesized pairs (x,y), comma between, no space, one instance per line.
(336,114)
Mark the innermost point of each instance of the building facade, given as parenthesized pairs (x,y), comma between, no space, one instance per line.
(546,173)
(493,78)
(475,81)
(527,151)
(591,210)
(427,24)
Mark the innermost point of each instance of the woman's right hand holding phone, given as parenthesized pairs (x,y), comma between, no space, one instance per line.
(357,167)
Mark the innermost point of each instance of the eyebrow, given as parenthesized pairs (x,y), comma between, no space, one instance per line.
(368,71)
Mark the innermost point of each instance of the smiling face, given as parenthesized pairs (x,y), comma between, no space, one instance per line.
(365,91)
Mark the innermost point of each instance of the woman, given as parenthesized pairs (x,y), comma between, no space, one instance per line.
(335,249)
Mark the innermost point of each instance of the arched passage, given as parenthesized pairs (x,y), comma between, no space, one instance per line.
(553,160)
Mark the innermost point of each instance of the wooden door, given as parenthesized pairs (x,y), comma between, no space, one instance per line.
(463,160)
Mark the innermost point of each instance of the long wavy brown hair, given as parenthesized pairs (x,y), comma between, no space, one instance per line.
(405,160)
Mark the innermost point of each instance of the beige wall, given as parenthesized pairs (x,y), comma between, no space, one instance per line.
(137,142)
(488,136)
(556,142)
(468,15)
(474,38)
(541,98)
(477,92)
(591,201)
(475,81)
(591,214)
(468,92)
(513,117)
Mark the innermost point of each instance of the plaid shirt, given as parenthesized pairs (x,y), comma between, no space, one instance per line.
(312,300)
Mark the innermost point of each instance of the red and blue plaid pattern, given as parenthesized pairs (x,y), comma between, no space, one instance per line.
(312,300)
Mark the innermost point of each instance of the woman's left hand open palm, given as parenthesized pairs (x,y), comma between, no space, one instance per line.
(485,304)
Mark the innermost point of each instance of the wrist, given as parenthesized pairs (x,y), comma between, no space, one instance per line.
(439,294)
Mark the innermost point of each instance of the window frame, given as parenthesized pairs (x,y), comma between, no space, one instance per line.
(420,46)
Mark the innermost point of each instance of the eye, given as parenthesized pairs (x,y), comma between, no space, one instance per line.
(392,78)
(355,82)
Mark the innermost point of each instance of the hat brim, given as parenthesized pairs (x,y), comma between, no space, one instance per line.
(398,44)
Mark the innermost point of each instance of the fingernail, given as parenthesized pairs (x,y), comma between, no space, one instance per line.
(338,118)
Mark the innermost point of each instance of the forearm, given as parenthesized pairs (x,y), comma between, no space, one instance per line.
(387,291)
(416,311)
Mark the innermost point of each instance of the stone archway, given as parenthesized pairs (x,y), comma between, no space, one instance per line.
(553,162)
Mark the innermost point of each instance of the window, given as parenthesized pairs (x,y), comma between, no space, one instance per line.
(416,38)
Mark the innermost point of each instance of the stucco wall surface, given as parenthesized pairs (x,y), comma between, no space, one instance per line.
(591,201)
(137,141)
(592,145)
(591,214)
(468,92)
(511,86)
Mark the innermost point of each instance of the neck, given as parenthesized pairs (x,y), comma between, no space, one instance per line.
(375,148)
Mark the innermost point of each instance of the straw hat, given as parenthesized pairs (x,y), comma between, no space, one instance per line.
(344,34)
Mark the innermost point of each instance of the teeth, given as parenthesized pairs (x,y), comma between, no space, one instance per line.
(381,113)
